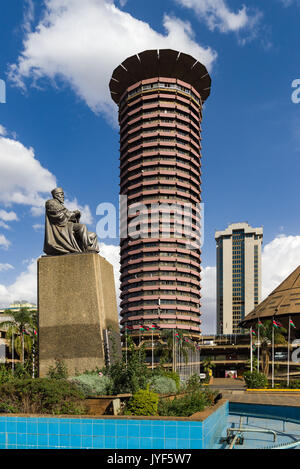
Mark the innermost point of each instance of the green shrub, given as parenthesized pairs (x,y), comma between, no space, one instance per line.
(163,385)
(174,376)
(131,376)
(294,384)
(187,405)
(58,371)
(255,380)
(41,396)
(19,372)
(7,409)
(93,384)
(143,402)
(193,383)
(5,374)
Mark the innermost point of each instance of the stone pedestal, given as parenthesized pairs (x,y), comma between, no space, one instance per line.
(77,309)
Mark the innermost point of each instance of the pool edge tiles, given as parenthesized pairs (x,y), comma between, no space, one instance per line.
(25,432)
(279,412)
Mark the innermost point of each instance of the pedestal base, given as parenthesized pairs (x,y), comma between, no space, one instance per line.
(77,306)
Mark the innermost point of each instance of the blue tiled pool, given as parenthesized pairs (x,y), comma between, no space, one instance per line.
(19,432)
(111,433)
(283,420)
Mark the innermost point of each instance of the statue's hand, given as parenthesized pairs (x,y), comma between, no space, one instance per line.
(77,214)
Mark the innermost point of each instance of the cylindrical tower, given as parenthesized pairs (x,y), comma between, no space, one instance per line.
(160,96)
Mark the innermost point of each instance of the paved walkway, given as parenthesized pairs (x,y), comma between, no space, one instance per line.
(227,383)
(235,391)
(284,399)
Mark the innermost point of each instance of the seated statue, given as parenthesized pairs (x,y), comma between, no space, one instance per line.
(63,232)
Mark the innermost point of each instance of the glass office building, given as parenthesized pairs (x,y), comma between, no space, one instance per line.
(238,275)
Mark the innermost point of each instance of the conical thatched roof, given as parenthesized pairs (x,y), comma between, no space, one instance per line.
(283,302)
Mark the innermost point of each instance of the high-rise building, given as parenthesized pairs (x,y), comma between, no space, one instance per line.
(160,95)
(238,274)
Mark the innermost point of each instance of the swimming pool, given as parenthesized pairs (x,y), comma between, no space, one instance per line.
(46,432)
(25,432)
(255,426)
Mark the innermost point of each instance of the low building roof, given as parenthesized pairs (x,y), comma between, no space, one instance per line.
(283,302)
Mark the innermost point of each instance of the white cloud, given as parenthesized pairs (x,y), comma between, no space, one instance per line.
(86,216)
(279,258)
(218,15)
(38,227)
(8,216)
(208,300)
(4,225)
(23,180)
(4,243)
(3,130)
(4,267)
(112,254)
(25,287)
(288,3)
(82,42)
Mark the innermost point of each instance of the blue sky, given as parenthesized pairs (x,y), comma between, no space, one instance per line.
(59,124)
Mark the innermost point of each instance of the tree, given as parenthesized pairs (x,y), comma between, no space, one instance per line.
(265,336)
(208,365)
(21,329)
(254,364)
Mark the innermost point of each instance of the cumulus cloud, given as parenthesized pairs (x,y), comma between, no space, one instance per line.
(83,42)
(38,227)
(4,267)
(279,258)
(86,216)
(25,286)
(208,300)
(8,216)
(3,130)
(4,242)
(23,179)
(218,15)
(288,3)
(112,254)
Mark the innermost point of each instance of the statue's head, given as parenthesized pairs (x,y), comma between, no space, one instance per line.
(58,194)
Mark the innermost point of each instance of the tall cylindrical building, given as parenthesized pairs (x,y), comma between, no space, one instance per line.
(160,95)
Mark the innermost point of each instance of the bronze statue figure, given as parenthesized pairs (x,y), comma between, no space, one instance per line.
(63,232)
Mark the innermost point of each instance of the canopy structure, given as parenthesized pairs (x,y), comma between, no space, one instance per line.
(160,63)
(282,303)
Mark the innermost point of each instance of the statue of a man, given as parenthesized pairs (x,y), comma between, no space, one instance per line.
(63,232)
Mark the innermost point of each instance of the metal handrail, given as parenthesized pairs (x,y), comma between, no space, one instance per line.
(252,430)
(285,445)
